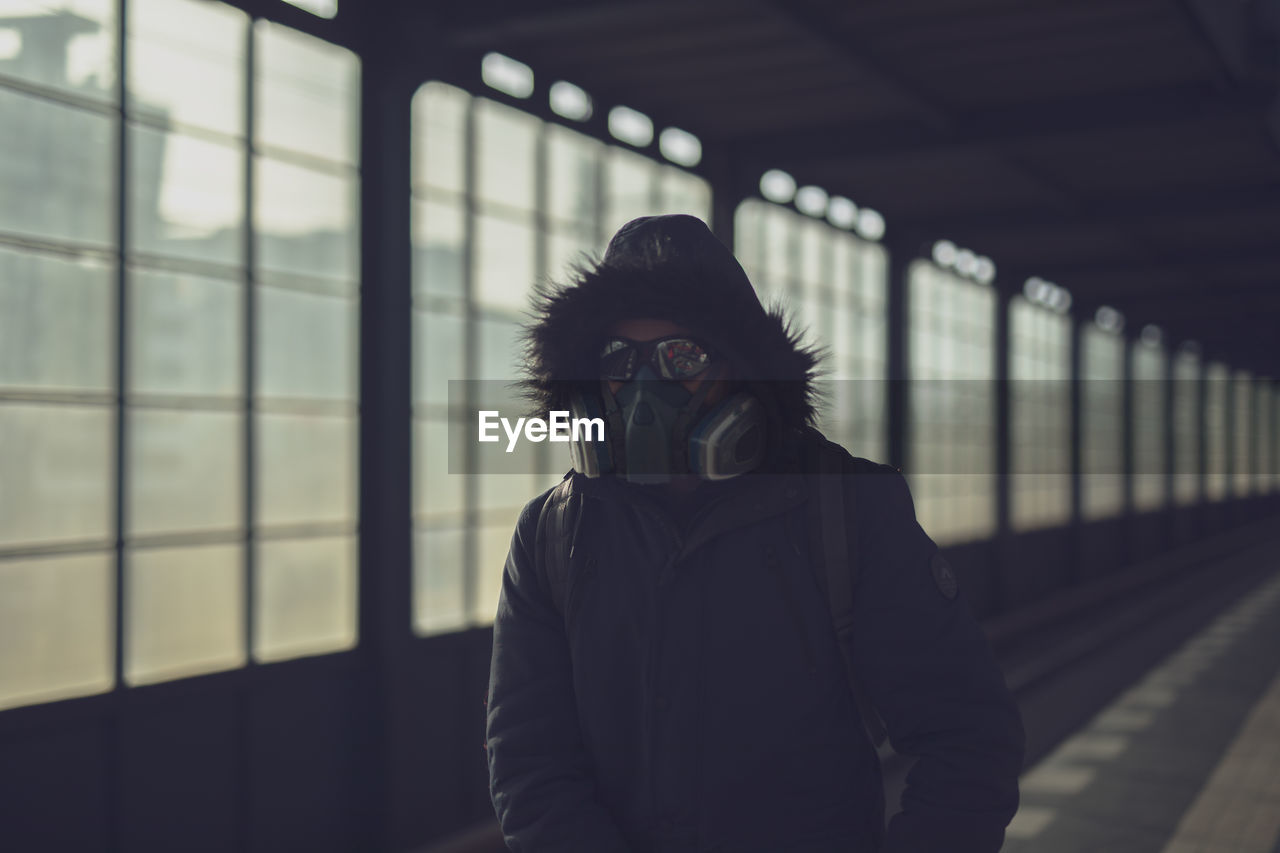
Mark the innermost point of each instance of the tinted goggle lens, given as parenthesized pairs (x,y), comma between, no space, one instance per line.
(672,358)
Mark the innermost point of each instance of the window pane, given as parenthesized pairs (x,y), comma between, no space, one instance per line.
(56,321)
(566,250)
(437,494)
(305,597)
(1149,478)
(67,45)
(573,176)
(184,471)
(187,63)
(55,465)
(951,428)
(1102,423)
(629,188)
(307,95)
(306,345)
(1216,390)
(1040,413)
(306,469)
(184,612)
(506,141)
(438,580)
(187,197)
(56,173)
(439,136)
(438,339)
(57,628)
(684,193)
(438,249)
(306,223)
(493,541)
(1242,449)
(1186,426)
(186,334)
(504,263)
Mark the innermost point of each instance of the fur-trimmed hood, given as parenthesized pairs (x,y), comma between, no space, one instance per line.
(671,268)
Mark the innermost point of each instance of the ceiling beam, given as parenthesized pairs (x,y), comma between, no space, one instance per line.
(1131,210)
(1028,122)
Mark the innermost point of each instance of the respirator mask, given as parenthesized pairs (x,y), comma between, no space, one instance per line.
(655,428)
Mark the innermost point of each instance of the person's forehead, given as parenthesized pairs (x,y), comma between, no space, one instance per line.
(647,329)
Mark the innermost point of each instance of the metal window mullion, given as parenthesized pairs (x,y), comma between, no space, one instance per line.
(114,751)
(249,256)
(470,359)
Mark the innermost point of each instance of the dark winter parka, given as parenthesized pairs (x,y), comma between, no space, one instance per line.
(690,698)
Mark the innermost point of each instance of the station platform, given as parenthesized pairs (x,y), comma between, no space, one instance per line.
(1186,760)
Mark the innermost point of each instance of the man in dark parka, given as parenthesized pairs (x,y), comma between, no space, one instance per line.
(688,694)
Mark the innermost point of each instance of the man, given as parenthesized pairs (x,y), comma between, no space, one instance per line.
(665,674)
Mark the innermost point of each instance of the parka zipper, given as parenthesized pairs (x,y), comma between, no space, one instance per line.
(793,607)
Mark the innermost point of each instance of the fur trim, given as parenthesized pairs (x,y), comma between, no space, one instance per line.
(570,322)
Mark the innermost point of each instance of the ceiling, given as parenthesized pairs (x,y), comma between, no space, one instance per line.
(1128,150)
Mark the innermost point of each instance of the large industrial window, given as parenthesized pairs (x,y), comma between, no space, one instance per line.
(1040,415)
(1186,427)
(1264,406)
(179,279)
(1149,466)
(951,422)
(500,199)
(834,285)
(1242,459)
(1102,422)
(1217,387)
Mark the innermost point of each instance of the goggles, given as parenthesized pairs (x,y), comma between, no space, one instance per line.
(678,357)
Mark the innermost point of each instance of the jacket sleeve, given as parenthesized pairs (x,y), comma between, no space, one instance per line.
(930,672)
(540,776)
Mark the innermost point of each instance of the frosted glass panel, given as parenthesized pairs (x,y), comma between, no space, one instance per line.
(184,612)
(57,629)
(439,339)
(67,45)
(187,197)
(305,597)
(306,469)
(685,193)
(186,334)
(500,349)
(565,251)
(306,222)
(439,136)
(505,146)
(436,492)
(492,543)
(573,176)
(55,465)
(56,175)
(186,63)
(184,471)
(438,581)
(55,323)
(438,249)
(504,272)
(306,345)
(307,95)
(629,180)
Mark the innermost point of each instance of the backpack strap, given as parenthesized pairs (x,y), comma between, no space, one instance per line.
(841,568)
(553,546)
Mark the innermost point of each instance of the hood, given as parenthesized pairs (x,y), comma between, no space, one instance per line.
(672,268)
